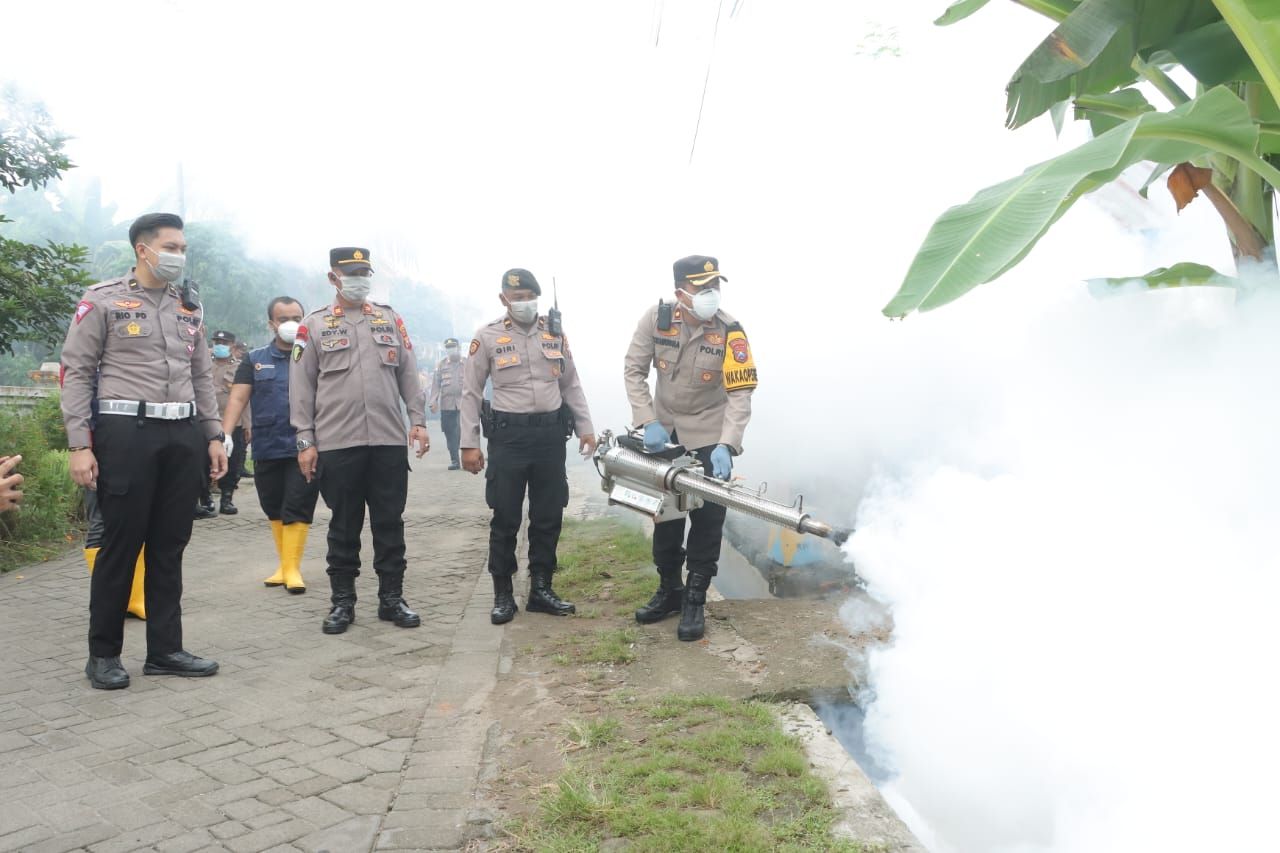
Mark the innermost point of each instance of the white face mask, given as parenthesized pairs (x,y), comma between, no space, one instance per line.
(524,312)
(705,303)
(287,331)
(355,288)
(452,353)
(168,266)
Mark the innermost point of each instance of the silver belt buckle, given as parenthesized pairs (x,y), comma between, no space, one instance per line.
(169,411)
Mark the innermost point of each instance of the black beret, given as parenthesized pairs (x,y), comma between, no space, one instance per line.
(451,342)
(517,279)
(228,337)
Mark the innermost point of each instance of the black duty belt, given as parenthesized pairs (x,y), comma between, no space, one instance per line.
(519,419)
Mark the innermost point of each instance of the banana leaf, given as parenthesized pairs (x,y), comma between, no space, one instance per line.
(1256,24)
(1092,51)
(1179,275)
(959,11)
(1211,53)
(1107,112)
(976,242)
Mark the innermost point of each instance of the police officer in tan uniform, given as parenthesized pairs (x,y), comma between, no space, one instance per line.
(702,399)
(446,396)
(352,365)
(537,403)
(225,365)
(142,344)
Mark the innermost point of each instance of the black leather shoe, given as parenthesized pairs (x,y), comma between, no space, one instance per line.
(666,601)
(204,511)
(395,610)
(106,673)
(504,601)
(339,618)
(227,507)
(179,663)
(543,599)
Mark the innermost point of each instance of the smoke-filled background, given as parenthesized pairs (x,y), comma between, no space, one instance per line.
(1067,503)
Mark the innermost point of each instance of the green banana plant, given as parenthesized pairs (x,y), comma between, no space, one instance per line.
(1220,142)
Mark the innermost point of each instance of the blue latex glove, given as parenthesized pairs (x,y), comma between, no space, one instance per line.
(721,462)
(656,437)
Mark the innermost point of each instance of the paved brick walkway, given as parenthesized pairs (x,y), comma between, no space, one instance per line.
(368,740)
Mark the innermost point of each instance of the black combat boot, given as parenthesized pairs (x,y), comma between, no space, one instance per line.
(344,604)
(692,620)
(391,606)
(226,507)
(504,601)
(205,509)
(667,600)
(543,599)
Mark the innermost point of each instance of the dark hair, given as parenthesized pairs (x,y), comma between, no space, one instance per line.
(282,300)
(149,223)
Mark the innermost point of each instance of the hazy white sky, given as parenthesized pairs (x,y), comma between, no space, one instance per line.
(459,139)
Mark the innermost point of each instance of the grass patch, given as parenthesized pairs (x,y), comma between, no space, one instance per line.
(691,773)
(592,733)
(616,646)
(605,563)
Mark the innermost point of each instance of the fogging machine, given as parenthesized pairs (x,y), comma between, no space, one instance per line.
(667,484)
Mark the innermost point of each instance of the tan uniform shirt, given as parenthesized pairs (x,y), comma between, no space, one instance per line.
(532,372)
(351,368)
(446,385)
(706,377)
(224,374)
(130,347)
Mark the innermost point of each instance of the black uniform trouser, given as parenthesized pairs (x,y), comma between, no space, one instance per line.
(706,525)
(351,478)
(227,485)
(148,477)
(525,459)
(284,494)
(452,430)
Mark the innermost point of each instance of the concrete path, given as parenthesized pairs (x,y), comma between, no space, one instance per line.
(371,740)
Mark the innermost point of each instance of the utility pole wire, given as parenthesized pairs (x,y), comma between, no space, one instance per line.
(715,33)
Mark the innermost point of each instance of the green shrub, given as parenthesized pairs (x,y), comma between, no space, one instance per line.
(51,502)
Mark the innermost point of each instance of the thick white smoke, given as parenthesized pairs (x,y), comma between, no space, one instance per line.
(1084,592)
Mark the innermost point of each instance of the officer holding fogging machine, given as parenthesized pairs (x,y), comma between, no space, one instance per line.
(701,399)
(538,403)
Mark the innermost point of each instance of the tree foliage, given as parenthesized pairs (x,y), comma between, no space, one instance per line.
(38,284)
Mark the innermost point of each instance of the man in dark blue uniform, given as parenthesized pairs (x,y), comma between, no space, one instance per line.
(289,501)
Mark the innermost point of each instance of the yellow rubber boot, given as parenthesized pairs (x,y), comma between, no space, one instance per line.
(295,540)
(277,533)
(90,556)
(137,593)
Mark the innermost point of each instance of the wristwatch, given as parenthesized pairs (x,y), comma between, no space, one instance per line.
(220,437)
(303,444)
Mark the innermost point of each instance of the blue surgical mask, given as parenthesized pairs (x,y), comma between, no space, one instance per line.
(221,351)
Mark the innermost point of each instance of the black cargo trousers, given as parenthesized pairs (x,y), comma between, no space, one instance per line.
(526,454)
